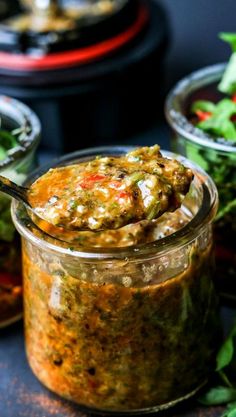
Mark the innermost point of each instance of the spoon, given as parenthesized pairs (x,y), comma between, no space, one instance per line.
(21,194)
(105,194)
(16,191)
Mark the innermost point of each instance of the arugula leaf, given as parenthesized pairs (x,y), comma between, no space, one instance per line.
(219,123)
(228,208)
(228,130)
(228,82)
(7,140)
(203,105)
(3,153)
(232,405)
(221,168)
(229,37)
(230,413)
(225,354)
(218,395)
(231,410)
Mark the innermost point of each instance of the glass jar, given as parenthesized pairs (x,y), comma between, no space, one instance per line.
(218,159)
(123,329)
(16,166)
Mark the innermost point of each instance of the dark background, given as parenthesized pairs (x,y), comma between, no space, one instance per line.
(194,43)
(195,26)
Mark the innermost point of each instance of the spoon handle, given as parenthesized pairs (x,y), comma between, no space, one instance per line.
(14,190)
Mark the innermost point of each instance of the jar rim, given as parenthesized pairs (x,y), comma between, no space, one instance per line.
(20,113)
(185,235)
(177,96)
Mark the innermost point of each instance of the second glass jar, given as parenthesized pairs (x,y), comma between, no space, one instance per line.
(217,158)
(16,166)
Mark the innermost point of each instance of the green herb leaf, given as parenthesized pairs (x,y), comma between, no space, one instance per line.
(203,105)
(232,405)
(225,354)
(219,123)
(229,37)
(231,410)
(225,209)
(7,140)
(218,395)
(225,379)
(228,81)
(3,153)
(222,169)
(231,413)
(228,130)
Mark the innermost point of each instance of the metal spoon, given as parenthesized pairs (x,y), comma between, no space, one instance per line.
(16,191)
(21,194)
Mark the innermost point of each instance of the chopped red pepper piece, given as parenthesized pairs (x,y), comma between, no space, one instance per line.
(89,180)
(203,115)
(96,177)
(123,194)
(234,98)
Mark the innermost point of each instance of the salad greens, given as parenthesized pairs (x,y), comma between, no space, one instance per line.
(228,82)
(224,392)
(8,141)
(222,168)
(219,119)
(11,139)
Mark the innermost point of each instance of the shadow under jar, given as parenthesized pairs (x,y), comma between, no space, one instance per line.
(18,162)
(123,329)
(216,157)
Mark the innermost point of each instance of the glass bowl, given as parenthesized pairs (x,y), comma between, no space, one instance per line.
(215,157)
(18,163)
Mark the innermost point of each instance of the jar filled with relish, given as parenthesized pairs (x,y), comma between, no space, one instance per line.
(123,321)
(19,137)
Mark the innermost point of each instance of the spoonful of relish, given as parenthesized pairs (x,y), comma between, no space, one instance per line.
(108,192)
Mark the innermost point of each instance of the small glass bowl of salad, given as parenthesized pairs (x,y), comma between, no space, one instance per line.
(201,110)
(19,137)
(123,321)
